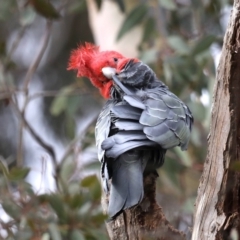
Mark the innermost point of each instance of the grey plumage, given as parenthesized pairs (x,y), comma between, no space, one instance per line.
(128,125)
(127,174)
(137,125)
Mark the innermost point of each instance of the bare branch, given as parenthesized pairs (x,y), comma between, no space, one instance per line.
(8,93)
(38,139)
(77,140)
(26,82)
(38,59)
(15,43)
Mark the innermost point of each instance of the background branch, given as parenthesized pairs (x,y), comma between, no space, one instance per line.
(26,82)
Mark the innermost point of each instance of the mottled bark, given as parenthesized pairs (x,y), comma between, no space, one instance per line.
(218,204)
(144,221)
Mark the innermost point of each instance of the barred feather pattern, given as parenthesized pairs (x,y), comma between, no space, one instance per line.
(135,128)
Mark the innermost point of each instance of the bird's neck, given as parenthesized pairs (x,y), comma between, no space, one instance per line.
(106,89)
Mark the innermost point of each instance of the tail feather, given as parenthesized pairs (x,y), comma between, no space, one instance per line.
(127,182)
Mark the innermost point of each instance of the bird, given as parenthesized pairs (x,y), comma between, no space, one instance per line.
(139,122)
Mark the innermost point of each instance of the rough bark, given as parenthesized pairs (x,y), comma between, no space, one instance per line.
(217,210)
(144,221)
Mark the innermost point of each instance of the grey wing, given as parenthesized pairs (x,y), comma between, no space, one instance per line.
(129,134)
(103,126)
(102,131)
(166,119)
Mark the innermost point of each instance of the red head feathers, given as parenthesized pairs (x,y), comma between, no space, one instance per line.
(89,62)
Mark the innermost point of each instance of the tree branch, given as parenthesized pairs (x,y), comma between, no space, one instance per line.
(38,139)
(144,221)
(38,59)
(26,82)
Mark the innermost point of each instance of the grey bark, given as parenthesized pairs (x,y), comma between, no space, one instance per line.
(218,203)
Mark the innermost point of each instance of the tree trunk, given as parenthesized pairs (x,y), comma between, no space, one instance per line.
(144,221)
(218,203)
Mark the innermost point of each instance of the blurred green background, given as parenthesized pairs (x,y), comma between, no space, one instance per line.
(48,162)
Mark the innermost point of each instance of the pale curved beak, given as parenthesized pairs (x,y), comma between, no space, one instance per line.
(108,72)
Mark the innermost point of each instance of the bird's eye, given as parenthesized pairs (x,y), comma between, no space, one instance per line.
(115,60)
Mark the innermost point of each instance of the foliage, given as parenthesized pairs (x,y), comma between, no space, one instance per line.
(73,212)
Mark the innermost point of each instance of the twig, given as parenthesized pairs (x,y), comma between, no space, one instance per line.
(15,43)
(53,93)
(38,59)
(63,5)
(39,140)
(72,144)
(67,152)
(26,82)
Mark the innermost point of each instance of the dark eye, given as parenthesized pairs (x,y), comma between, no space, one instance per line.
(115,60)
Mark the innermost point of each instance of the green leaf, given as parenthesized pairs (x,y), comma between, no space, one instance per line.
(168,4)
(96,191)
(17,173)
(4,167)
(74,187)
(89,181)
(77,7)
(76,201)
(27,16)
(121,5)
(54,232)
(59,105)
(73,104)
(99,218)
(203,44)
(23,234)
(133,18)
(184,156)
(77,235)
(45,8)
(7,8)
(85,209)
(149,28)
(96,234)
(68,169)
(99,4)
(196,137)
(173,169)
(198,110)
(178,44)
(149,56)
(70,126)
(94,185)
(57,205)
(12,209)
(92,166)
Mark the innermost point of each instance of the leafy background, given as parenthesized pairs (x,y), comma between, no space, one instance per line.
(48,165)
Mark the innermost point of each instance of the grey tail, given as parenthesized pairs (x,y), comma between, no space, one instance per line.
(127,182)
